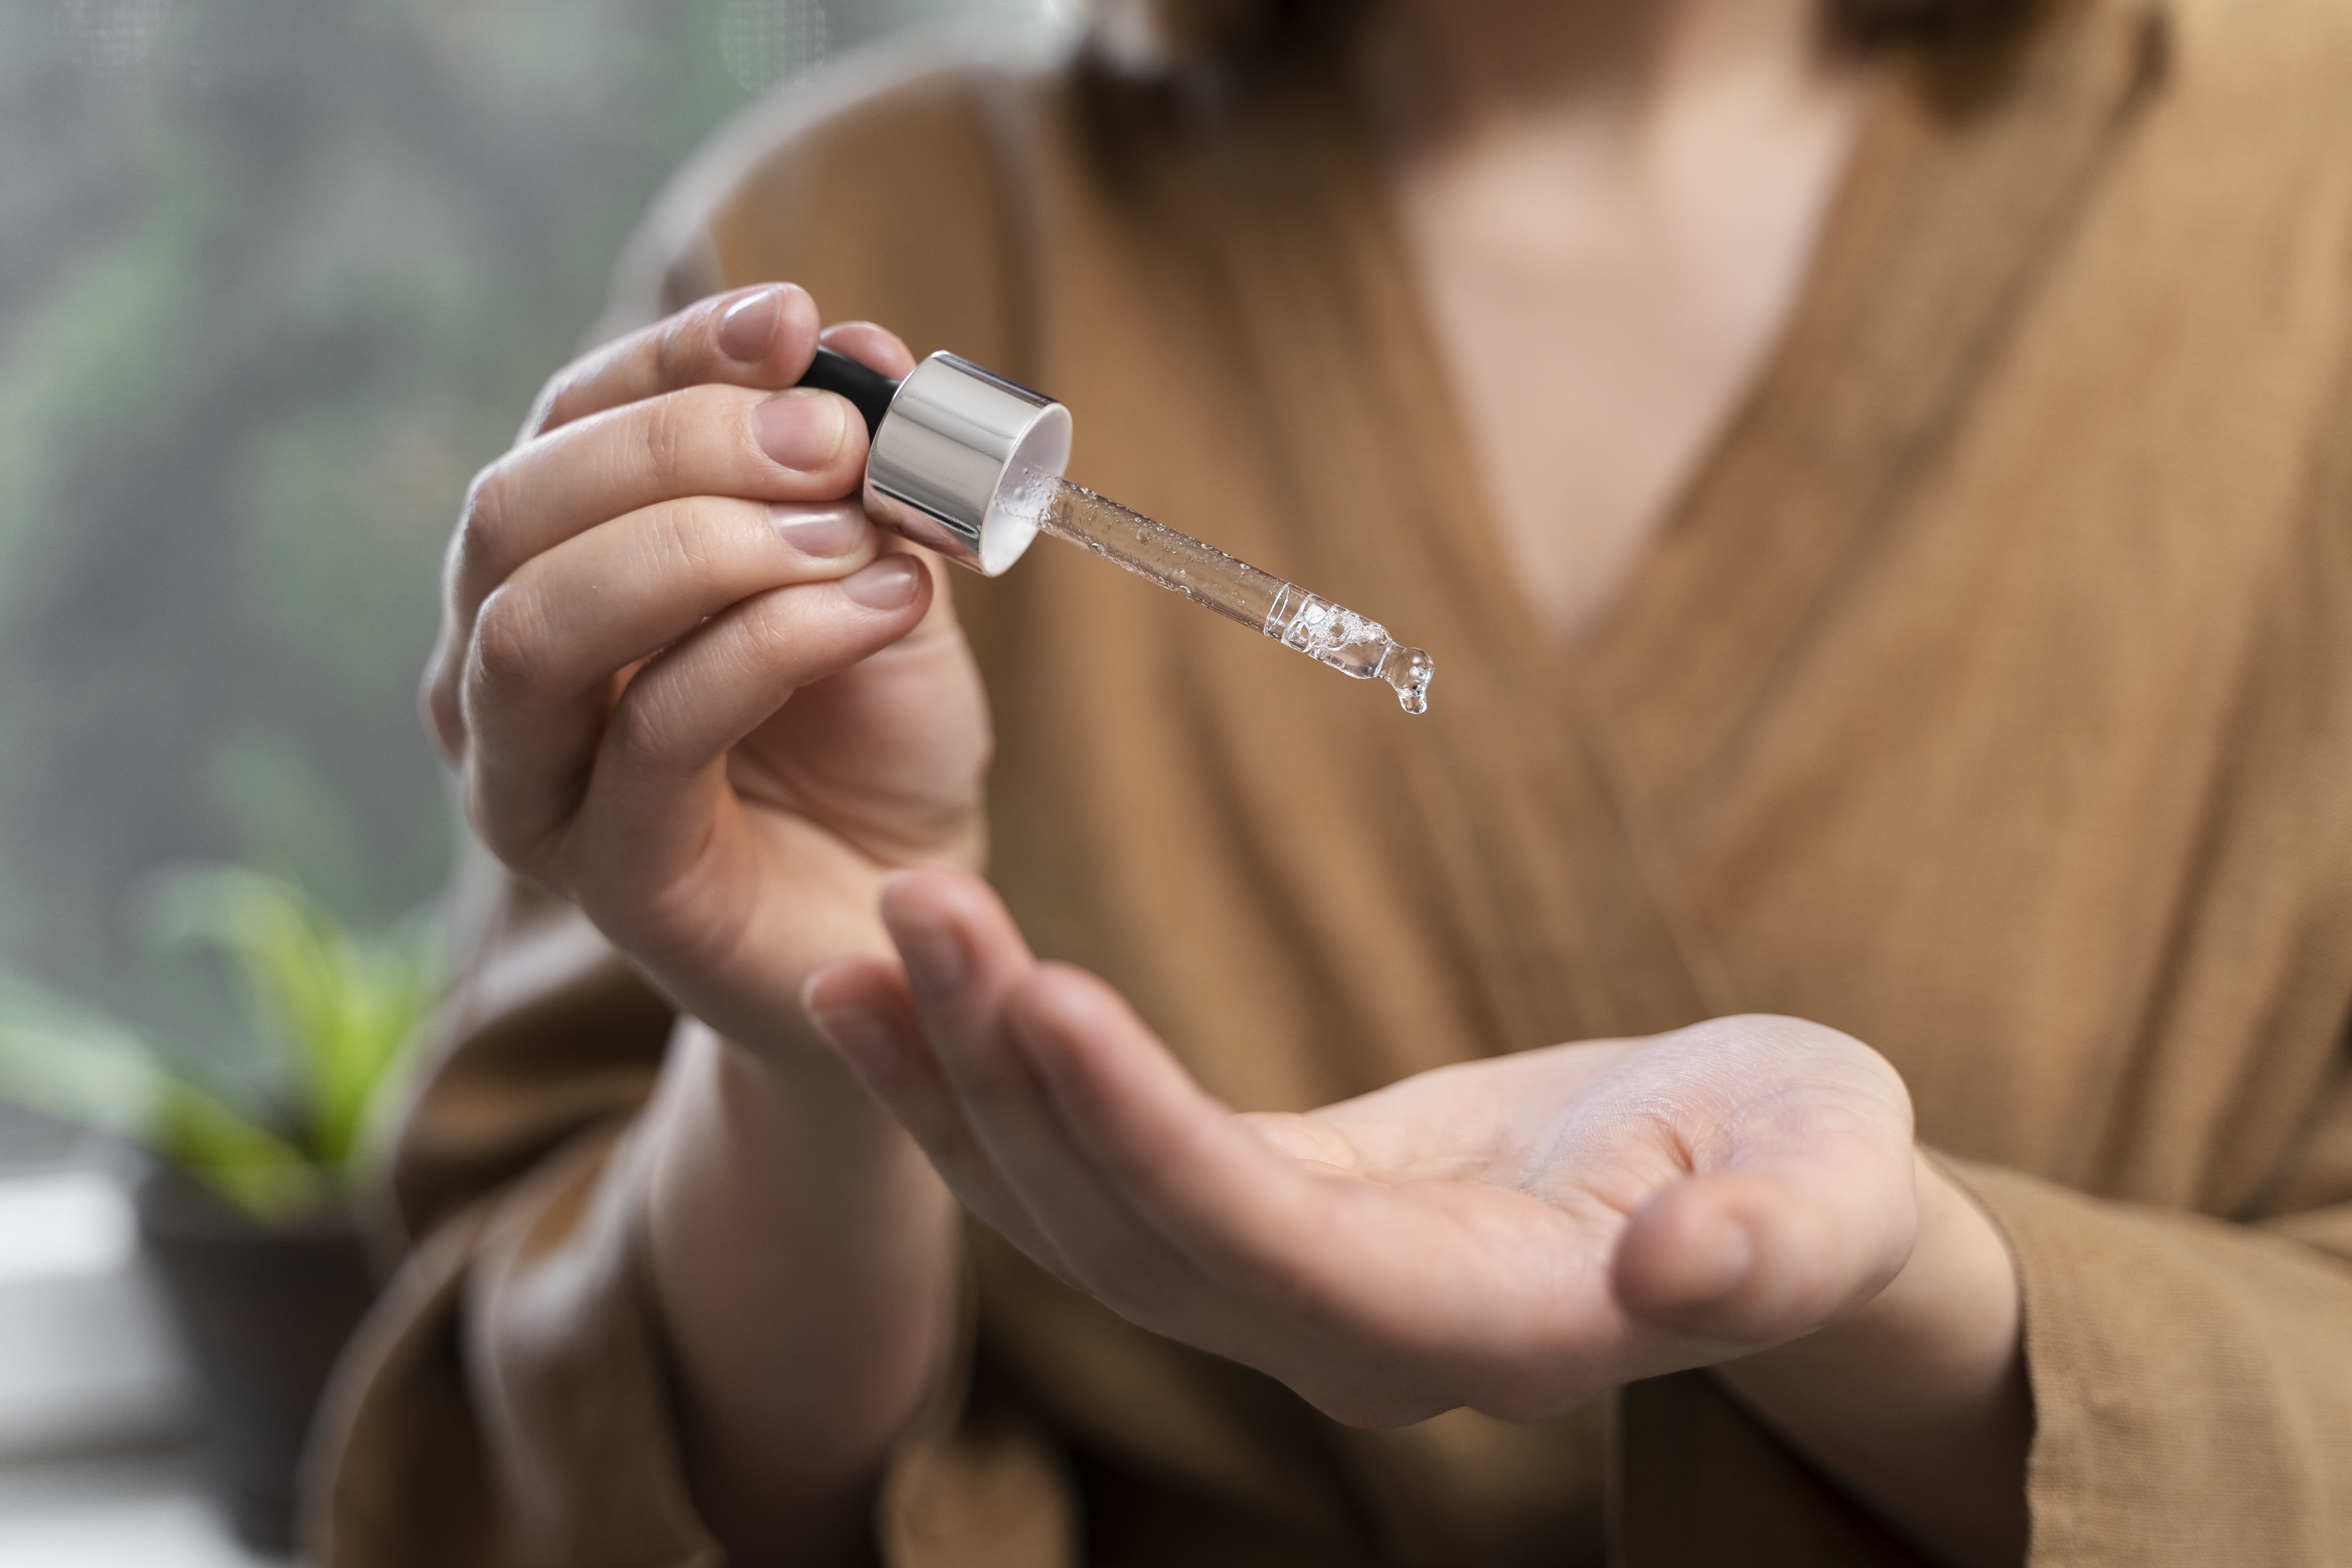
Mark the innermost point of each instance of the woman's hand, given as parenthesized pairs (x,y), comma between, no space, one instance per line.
(689,685)
(693,690)
(1517,1234)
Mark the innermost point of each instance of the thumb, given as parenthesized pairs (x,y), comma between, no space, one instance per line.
(1757,1256)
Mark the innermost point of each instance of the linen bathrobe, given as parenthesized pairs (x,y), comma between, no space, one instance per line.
(1987,695)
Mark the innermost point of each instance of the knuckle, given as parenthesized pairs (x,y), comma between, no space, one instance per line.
(508,643)
(666,438)
(642,736)
(679,535)
(680,346)
(557,401)
(531,848)
(766,629)
(478,549)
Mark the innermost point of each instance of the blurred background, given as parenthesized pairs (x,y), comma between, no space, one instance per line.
(276,278)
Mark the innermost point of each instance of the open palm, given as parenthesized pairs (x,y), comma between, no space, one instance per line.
(1515,1234)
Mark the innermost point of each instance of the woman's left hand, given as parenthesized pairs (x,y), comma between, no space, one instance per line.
(1515,1234)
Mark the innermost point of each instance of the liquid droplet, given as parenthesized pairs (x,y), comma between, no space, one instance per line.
(1408,670)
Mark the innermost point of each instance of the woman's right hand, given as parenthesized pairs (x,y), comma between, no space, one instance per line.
(689,685)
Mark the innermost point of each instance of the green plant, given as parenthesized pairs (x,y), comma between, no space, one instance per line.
(338,1015)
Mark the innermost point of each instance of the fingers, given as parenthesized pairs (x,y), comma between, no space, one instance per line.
(978,1108)
(537,687)
(965,965)
(622,592)
(704,441)
(797,444)
(1207,1183)
(1379,1303)
(877,348)
(698,405)
(760,337)
(865,1009)
(1153,1195)
(656,783)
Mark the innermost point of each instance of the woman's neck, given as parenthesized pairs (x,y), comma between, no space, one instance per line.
(1610,207)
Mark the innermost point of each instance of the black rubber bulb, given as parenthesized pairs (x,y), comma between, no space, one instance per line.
(869,390)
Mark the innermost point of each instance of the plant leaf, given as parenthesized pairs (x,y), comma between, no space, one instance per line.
(340,1011)
(69,1062)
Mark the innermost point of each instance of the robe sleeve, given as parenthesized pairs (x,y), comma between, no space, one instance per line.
(2192,1388)
(2193,1378)
(508,1401)
(505,1402)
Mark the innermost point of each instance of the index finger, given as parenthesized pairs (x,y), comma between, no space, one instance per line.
(761,336)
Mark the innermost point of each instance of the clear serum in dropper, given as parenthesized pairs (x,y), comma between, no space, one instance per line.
(1327,632)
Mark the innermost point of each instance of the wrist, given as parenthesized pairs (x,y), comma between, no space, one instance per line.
(804,1260)
(1951,1312)
(787,1099)
(1954,1304)
(1917,1400)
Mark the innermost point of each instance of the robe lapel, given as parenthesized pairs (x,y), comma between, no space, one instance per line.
(1547,784)
(1948,214)
(1547,897)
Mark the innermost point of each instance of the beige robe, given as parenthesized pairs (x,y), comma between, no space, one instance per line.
(1987,695)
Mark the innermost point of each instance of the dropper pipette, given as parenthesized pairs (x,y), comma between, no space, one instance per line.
(1323,631)
(970,465)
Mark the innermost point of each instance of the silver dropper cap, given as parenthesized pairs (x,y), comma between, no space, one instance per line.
(957,455)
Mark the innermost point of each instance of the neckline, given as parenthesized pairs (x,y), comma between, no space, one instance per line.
(1938,220)
(1486,537)
(1558,785)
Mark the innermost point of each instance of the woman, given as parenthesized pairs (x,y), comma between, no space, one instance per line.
(1873,488)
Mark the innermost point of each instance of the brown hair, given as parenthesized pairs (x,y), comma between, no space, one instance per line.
(1299,31)
(1153,68)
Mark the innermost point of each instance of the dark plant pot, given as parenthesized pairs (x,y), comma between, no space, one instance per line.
(265,1310)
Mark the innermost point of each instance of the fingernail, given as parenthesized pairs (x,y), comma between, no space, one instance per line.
(934,965)
(889,584)
(801,428)
(818,528)
(746,329)
(867,1039)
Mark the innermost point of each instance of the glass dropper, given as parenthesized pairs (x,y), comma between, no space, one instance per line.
(969,464)
(1327,632)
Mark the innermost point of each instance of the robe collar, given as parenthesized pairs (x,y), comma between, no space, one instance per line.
(1557,790)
